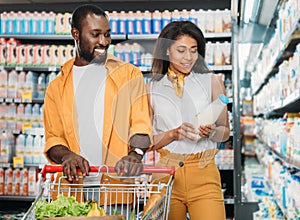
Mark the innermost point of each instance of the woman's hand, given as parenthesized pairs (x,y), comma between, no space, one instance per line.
(185,131)
(206,131)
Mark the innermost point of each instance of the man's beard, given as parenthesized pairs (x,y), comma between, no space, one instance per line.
(91,59)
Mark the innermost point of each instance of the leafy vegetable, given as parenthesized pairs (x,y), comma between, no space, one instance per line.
(61,207)
(132,216)
(115,212)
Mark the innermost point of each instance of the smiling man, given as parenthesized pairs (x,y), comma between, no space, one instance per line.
(96,110)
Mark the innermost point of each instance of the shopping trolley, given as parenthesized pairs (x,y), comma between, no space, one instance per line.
(124,196)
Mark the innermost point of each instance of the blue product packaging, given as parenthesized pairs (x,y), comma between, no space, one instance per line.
(3,22)
(156,22)
(26,23)
(42,23)
(138,23)
(146,23)
(18,23)
(34,23)
(122,23)
(130,23)
(113,21)
(50,23)
(10,23)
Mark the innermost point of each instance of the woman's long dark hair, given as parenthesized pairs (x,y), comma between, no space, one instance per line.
(170,33)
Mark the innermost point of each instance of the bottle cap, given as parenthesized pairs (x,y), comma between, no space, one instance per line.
(224,99)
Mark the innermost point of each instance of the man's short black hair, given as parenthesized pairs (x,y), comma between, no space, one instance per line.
(82,11)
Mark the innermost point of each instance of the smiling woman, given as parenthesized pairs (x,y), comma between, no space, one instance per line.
(182,87)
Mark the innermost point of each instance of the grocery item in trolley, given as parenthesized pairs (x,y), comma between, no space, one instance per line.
(114,198)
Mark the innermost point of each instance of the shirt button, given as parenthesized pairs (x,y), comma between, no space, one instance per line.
(181,164)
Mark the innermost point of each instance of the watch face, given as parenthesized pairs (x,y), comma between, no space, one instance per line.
(139,151)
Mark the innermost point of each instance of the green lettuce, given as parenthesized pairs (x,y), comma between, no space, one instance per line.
(61,207)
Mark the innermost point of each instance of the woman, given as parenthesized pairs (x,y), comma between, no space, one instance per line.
(182,87)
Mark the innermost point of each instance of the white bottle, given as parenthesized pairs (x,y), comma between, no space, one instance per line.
(211,113)
(12,84)
(20,144)
(37,150)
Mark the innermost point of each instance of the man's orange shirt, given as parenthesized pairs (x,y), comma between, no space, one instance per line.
(125,110)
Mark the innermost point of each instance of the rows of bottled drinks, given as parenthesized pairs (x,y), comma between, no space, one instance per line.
(131,22)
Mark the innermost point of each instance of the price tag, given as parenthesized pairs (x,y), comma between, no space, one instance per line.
(26,126)
(19,68)
(18,100)
(27,97)
(18,162)
(9,100)
(52,68)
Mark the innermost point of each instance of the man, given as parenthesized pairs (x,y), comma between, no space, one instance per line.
(96,110)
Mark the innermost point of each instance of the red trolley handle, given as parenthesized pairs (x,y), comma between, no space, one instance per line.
(48,168)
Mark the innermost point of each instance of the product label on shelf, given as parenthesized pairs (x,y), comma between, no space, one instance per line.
(19,68)
(18,162)
(27,97)
(26,126)
(52,68)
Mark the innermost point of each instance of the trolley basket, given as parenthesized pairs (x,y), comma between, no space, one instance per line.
(128,197)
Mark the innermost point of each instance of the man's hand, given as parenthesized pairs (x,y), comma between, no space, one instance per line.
(130,164)
(70,163)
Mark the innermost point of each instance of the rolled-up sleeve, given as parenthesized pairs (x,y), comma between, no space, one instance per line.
(54,132)
(139,116)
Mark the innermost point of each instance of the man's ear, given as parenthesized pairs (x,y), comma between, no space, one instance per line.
(75,33)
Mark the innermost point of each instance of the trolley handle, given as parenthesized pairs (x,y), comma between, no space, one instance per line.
(48,168)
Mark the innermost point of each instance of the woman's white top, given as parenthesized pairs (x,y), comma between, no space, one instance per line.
(170,111)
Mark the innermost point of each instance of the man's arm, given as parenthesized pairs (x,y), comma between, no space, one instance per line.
(56,149)
(141,128)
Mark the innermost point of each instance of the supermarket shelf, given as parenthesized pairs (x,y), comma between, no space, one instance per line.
(228,200)
(19,100)
(57,68)
(145,68)
(155,36)
(269,185)
(277,58)
(142,36)
(32,68)
(14,131)
(18,198)
(53,36)
(213,68)
(289,104)
(225,166)
(285,159)
(113,36)
(221,68)
(7,165)
(218,35)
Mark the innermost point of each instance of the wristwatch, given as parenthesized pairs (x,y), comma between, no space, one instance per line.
(138,151)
